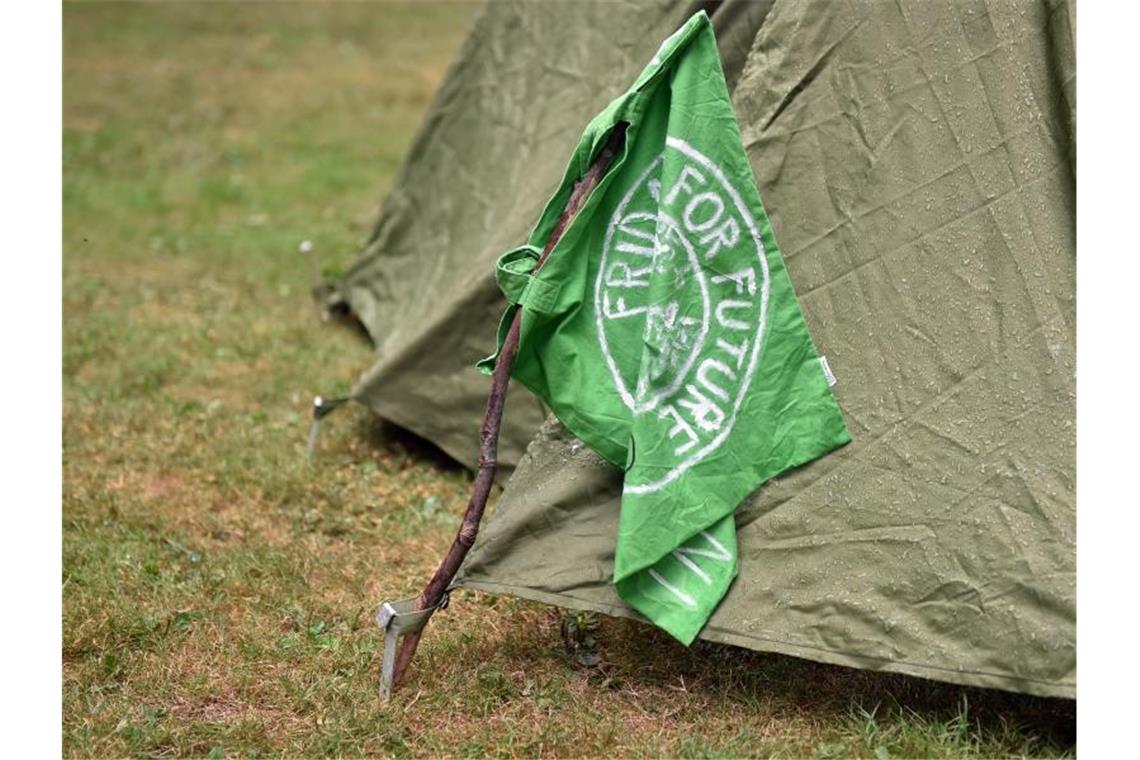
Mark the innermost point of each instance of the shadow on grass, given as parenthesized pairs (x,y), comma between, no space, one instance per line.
(337,312)
(643,657)
(382,435)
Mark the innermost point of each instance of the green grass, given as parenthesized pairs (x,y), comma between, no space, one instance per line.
(218,590)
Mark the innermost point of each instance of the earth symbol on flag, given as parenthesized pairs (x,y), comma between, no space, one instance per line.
(681,301)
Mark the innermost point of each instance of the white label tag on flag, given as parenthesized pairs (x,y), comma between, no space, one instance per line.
(831,381)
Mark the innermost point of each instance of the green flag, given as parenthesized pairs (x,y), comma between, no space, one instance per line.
(664,332)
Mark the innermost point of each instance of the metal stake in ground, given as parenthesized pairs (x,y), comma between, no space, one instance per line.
(493,416)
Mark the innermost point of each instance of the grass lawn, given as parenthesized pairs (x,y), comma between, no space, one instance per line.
(218,590)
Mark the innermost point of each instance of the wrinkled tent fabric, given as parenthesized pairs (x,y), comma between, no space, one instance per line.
(491,150)
(917,162)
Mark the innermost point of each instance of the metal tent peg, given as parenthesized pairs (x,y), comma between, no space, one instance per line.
(397,619)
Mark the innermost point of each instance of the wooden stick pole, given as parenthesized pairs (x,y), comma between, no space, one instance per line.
(493,416)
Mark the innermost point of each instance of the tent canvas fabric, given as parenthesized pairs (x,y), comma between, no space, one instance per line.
(491,150)
(917,162)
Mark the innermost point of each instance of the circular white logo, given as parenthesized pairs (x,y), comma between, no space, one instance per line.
(681,301)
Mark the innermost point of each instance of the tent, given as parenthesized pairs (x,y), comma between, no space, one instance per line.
(491,150)
(918,165)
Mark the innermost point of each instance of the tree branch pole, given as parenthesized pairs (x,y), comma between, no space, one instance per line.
(493,415)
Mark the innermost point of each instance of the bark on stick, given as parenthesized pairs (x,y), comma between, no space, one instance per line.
(493,415)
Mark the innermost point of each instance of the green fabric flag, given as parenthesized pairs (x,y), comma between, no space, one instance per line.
(664,332)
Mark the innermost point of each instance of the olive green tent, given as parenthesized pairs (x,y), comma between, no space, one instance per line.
(918,163)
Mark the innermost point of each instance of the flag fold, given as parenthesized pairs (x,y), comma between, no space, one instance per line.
(664,332)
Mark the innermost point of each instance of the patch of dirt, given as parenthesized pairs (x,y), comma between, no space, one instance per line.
(216,708)
(163,488)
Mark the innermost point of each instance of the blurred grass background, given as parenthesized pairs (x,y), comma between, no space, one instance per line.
(219,591)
